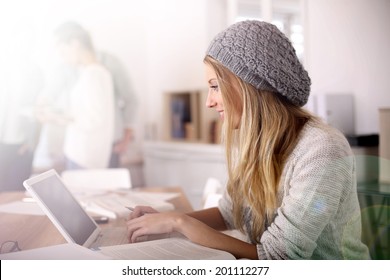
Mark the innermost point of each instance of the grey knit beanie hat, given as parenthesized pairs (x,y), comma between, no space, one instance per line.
(262,56)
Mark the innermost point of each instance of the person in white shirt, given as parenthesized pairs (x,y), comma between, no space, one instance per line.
(63,77)
(90,123)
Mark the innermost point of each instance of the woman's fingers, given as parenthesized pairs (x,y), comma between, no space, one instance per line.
(138,227)
(140,211)
(137,234)
(150,223)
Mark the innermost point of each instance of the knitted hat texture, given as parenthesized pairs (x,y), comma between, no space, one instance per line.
(261,55)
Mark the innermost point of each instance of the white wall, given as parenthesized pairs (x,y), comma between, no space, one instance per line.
(347,51)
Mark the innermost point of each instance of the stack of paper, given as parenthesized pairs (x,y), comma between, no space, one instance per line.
(114,205)
(165,249)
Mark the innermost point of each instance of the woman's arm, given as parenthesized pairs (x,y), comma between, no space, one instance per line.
(211,217)
(200,233)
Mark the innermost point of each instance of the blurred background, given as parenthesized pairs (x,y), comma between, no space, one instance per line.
(160,45)
(344,45)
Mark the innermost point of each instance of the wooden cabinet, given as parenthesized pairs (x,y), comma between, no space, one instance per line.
(187,165)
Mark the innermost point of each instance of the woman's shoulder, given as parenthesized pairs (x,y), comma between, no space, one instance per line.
(320,136)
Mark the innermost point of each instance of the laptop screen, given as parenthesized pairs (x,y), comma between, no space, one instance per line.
(61,207)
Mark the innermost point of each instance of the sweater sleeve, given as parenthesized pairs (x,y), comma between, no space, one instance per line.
(318,173)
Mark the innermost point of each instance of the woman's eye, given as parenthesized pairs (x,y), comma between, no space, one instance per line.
(214,88)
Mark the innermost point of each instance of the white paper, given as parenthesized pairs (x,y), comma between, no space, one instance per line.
(20,207)
(114,205)
(165,249)
(159,195)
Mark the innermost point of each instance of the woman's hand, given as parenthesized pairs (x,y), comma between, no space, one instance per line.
(140,211)
(147,221)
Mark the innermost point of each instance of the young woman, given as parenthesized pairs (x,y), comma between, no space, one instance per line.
(291,186)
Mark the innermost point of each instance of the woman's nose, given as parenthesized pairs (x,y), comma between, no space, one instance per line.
(210,102)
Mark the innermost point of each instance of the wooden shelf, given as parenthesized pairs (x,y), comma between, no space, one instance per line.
(187,119)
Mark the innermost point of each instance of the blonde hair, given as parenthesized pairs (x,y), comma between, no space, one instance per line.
(258,148)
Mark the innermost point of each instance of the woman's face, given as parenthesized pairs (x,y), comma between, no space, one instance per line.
(214,97)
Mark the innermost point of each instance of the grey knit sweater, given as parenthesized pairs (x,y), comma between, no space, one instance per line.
(318,215)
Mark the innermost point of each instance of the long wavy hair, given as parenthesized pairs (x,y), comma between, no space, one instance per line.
(258,147)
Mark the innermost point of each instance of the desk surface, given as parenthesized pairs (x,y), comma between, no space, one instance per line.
(32,231)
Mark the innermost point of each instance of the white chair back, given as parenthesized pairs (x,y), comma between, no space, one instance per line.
(212,193)
(97,179)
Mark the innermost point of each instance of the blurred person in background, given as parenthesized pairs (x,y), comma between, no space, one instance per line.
(64,76)
(89,118)
(21,80)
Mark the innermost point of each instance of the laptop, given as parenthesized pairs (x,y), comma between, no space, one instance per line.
(66,213)
(79,229)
